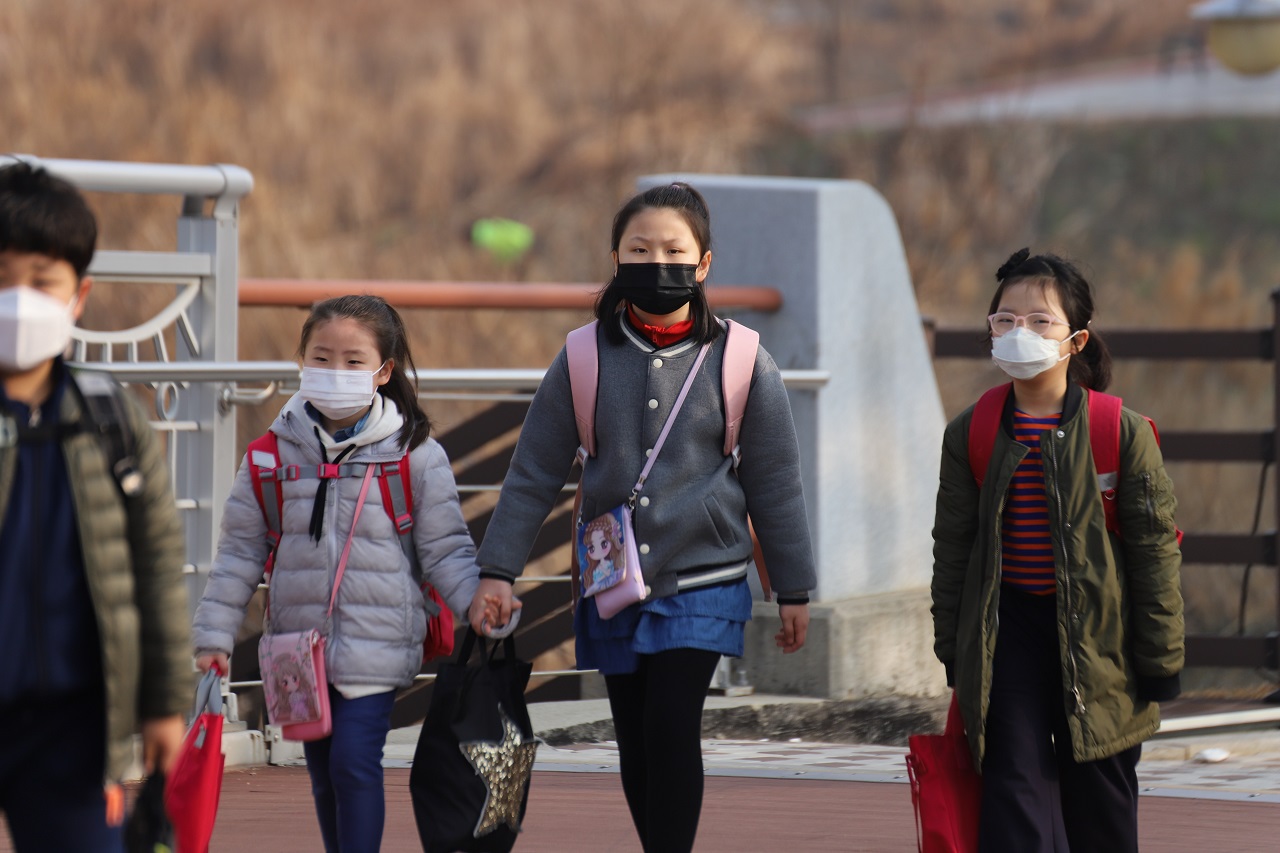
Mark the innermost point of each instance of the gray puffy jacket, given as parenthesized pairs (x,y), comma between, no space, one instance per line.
(379,620)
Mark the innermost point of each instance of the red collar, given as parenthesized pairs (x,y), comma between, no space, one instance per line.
(660,336)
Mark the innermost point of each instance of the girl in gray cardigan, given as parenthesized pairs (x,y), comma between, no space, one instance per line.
(695,547)
(358,405)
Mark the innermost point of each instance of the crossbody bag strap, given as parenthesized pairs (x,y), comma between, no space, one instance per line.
(346,549)
(666,428)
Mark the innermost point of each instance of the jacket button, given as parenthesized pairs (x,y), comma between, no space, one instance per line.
(1068,525)
(644,549)
(657,362)
(653,404)
(644,501)
(1061,434)
(648,452)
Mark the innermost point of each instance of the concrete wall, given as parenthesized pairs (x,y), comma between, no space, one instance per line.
(869,439)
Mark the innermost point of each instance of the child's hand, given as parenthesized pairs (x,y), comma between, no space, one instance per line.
(492,606)
(161,741)
(795,627)
(206,662)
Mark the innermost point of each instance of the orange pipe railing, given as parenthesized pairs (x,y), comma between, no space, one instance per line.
(474,294)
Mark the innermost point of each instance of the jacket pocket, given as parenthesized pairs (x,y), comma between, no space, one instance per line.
(1150,505)
(720,522)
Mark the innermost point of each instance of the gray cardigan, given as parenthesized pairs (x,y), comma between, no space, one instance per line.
(691,520)
(380,619)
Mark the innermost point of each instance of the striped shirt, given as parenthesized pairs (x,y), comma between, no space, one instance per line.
(1027,544)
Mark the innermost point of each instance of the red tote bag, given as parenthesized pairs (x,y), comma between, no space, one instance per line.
(946,791)
(195,784)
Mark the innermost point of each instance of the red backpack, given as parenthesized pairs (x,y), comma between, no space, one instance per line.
(397,499)
(1104,441)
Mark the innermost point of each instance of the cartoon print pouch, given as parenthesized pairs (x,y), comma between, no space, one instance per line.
(294,683)
(610,562)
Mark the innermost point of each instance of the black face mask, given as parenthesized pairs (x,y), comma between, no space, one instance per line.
(657,288)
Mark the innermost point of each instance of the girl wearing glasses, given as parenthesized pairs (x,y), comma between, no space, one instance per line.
(1058,634)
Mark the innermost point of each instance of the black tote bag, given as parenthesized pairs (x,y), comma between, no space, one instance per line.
(471,770)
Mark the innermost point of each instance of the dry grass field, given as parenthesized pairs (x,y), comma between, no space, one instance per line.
(377,131)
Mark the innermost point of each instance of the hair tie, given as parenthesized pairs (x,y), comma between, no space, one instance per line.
(1016,260)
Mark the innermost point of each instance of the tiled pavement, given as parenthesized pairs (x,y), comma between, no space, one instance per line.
(1244,777)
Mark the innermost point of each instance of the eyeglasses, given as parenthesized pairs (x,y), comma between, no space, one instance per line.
(1003,322)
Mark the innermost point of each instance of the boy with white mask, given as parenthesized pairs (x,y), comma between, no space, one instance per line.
(93,617)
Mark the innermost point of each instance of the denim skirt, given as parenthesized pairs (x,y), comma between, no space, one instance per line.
(710,618)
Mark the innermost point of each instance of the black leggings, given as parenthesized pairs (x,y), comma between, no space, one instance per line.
(657,716)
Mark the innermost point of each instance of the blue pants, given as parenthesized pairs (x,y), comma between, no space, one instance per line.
(346,773)
(51,775)
(1036,798)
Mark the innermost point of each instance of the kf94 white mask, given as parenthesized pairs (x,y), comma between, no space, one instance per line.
(1023,354)
(338,394)
(34,327)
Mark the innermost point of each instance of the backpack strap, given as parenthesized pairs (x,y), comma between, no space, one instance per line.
(739,365)
(263,455)
(105,417)
(397,500)
(582,351)
(983,427)
(1104,441)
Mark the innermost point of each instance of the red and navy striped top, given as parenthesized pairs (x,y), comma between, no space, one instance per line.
(1026,541)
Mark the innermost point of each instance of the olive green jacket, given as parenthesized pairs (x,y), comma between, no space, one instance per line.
(133,562)
(1119,601)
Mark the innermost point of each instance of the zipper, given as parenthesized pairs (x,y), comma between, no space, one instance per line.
(1066,578)
(39,643)
(999,555)
(1151,506)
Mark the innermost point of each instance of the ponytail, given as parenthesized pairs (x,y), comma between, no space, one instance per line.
(1091,367)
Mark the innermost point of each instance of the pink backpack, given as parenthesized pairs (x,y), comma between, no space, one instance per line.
(737,368)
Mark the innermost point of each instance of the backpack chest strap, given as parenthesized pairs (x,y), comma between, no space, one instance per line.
(329,471)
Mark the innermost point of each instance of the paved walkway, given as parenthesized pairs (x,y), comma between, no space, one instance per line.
(269,809)
(770,795)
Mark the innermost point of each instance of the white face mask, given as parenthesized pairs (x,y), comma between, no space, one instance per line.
(338,394)
(34,327)
(1025,355)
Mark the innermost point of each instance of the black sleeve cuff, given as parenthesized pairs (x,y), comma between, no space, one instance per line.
(792,599)
(1159,688)
(951,675)
(495,575)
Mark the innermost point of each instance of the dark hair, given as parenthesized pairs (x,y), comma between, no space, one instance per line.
(46,215)
(387,328)
(690,204)
(1091,367)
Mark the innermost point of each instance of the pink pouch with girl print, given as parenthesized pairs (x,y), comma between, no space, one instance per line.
(294,684)
(610,562)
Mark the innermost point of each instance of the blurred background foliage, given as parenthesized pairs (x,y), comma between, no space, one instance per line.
(378,132)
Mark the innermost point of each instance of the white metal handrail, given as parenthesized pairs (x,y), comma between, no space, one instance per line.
(288,373)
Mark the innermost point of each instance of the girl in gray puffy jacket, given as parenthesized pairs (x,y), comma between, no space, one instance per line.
(356,404)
